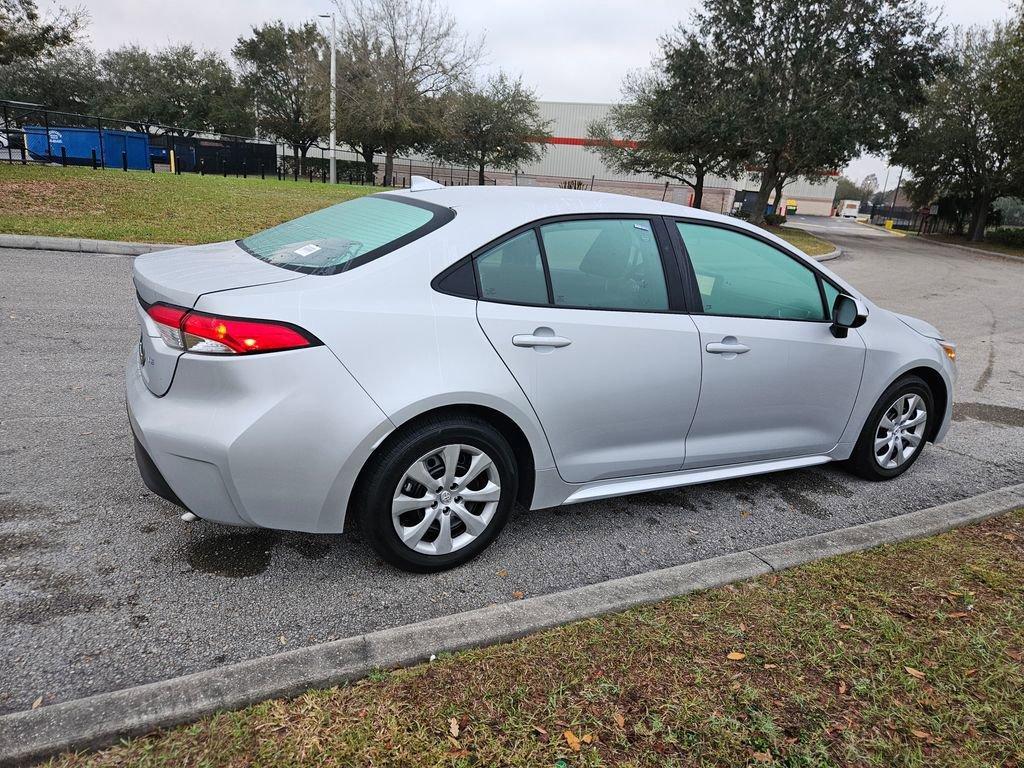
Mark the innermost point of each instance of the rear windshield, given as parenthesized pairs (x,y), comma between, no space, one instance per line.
(346,235)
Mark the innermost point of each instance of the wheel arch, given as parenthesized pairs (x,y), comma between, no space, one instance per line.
(525,459)
(940,395)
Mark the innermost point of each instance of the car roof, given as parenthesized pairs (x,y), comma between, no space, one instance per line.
(490,211)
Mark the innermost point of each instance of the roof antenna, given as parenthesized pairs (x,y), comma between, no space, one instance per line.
(422,184)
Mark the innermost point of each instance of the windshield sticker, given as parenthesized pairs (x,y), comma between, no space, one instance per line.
(306,250)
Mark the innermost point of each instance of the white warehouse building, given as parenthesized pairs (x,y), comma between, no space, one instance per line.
(568,160)
(568,157)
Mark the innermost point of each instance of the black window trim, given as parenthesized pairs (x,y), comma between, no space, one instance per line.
(441,216)
(692,290)
(662,238)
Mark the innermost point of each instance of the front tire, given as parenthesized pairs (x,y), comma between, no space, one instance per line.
(438,494)
(895,432)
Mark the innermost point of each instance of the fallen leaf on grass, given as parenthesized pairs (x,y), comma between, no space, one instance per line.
(453,727)
(761,757)
(588,738)
(915,673)
(842,686)
(1015,655)
(736,656)
(540,730)
(619,720)
(502,573)
(771,666)
(572,741)
(921,734)
(518,595)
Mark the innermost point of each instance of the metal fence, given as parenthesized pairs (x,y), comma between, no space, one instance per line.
(34,134)
(925,220)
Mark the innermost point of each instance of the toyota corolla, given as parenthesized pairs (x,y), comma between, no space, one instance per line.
(427,361)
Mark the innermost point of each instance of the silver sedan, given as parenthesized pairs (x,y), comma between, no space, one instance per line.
(426,361)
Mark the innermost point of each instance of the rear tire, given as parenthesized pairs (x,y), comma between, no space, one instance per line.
(438,493)
(895,431)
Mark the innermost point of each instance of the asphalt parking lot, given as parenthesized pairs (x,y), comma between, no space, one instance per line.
(101,587)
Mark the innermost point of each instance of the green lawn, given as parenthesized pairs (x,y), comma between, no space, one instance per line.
(153,207)
(1008,250)
(909,655)
(805,241)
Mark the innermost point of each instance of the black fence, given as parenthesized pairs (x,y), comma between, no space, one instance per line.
(34,134)
(927,220)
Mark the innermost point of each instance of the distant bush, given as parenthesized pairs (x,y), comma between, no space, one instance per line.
(741,214)
(1012,236)
(574,184)
(775,219)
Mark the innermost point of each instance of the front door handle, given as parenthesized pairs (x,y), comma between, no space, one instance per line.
(727,348)
(539,340)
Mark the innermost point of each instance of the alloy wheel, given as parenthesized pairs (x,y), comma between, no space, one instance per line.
(446,499)
(900,431)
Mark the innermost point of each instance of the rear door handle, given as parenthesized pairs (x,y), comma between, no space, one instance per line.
(722,348)
(533,340)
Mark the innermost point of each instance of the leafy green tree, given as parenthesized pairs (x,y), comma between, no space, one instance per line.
(817,82)
(495,124)
(65,79)
(848,189)
(410,54)
(678,121)
(175,86)
(131,88)
(965,142)
(283,70)
(25,34)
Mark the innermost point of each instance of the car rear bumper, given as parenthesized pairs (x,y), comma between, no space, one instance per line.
(275,440)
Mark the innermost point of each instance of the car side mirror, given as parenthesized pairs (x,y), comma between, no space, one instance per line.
(847,313)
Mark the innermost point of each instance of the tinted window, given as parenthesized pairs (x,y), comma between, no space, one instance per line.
(605,263)
(513,271)
(329,240)
(740,276)
(830,295)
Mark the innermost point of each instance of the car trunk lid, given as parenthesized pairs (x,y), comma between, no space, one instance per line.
(179,277)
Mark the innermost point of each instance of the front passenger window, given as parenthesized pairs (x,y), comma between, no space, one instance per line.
(740,276)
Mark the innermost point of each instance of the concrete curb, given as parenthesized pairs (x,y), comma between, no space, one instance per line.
(102,719)
(81,245)
(829,256)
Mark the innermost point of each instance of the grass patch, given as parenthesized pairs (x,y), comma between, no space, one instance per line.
(805,241)
(909,655)
(1008,250)
(153,207)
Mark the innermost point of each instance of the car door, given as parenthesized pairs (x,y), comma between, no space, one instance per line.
(776,383)
(584,315)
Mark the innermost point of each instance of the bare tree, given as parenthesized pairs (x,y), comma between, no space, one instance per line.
(406,53)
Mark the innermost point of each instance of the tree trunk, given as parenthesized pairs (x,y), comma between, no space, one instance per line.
(979,213)
(389,167)
(295,159)
(777,194)
(368,170)
(480,174)
(769,177)
(698,188)
(302,160)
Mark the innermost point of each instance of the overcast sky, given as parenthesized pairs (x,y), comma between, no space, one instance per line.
(568,50)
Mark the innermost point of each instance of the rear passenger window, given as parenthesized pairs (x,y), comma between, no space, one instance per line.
(605,264)
(513,271)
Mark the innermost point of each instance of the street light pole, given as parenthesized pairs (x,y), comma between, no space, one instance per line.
(334,94)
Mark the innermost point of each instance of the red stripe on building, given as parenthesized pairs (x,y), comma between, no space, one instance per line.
(575,142)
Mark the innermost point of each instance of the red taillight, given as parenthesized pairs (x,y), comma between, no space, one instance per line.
(209,334)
